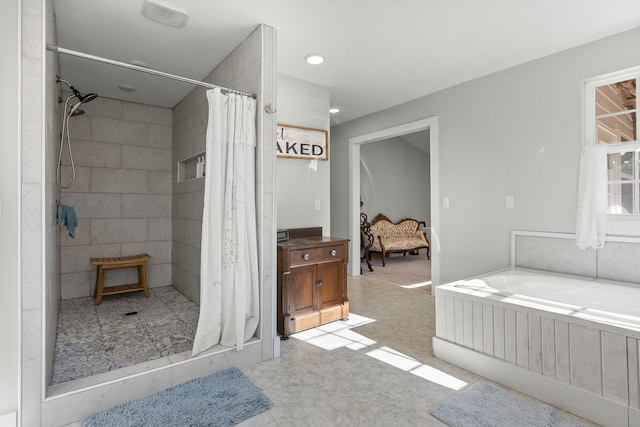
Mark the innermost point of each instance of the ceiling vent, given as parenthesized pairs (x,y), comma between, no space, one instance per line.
(165,13)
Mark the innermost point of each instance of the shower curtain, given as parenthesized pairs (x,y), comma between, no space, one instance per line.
(591,223)
(229,298)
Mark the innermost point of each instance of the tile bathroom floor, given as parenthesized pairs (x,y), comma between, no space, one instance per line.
(124,330)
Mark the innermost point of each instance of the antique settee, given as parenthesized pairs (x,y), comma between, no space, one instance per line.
(403,236)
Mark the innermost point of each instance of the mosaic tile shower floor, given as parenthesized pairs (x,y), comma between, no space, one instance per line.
(94,339)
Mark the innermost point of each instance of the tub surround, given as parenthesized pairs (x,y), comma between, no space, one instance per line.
(558,252)
(577,349)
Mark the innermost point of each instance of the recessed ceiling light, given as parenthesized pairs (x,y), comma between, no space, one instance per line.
(127,88)
(165,13)
(334,110)
(314,58)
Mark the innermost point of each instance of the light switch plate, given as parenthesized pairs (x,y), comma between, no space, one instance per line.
(508,202)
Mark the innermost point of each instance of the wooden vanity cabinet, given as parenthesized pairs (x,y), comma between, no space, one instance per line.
(312,283)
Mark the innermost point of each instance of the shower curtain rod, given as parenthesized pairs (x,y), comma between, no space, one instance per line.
(77,54)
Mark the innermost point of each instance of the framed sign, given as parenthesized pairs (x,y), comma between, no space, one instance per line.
(298,142)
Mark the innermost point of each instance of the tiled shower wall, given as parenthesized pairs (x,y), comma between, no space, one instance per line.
(122,194)
(240,70)
(32,230)
(189,132)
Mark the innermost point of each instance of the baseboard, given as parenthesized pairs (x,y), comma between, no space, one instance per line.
(276,347)
(584,404)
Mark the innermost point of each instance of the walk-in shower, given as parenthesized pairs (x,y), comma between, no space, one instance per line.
(129,199)
(70,109)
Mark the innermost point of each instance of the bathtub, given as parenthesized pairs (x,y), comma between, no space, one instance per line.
(568,340)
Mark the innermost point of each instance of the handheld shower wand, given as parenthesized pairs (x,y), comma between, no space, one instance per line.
(73,111)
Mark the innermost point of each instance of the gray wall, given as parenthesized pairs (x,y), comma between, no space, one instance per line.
(122,193)
(9,199)
(394,180)
(300,182)
(515,132)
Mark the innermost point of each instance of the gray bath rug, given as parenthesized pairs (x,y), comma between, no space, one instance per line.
(225,398)
(485,405)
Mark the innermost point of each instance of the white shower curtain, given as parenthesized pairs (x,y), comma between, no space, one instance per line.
(229,297)
(591,224)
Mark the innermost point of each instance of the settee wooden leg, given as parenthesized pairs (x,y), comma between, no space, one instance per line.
(383,258)
(429,252)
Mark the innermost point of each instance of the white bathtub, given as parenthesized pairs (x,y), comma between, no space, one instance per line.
(610,302)
(567,340)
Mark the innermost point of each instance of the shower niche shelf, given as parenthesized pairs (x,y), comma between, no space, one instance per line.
(188,167)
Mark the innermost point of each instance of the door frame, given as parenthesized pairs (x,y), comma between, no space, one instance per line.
(428,123)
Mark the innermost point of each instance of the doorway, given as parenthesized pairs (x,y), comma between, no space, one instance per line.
(430,124)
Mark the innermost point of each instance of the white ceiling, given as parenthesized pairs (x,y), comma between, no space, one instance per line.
(379,53)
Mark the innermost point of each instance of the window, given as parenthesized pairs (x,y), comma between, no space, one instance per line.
(612,120)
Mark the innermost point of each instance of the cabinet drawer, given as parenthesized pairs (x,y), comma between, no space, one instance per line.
(313,255)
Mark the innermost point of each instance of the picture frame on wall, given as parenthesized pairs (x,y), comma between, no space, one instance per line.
(297,142)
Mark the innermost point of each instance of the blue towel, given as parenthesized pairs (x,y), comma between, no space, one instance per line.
(67,216)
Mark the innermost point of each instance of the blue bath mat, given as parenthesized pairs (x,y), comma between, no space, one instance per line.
(485,405)
(225,398)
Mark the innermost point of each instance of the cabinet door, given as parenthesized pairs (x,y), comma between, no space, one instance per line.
(331,274)
(302,289)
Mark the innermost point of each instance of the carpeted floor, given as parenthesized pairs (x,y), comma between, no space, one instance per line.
(401,270)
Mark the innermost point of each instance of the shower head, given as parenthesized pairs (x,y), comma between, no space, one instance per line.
(77,112)
(87,98)
(82,98)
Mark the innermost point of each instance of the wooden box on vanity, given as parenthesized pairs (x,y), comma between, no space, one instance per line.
(312,280)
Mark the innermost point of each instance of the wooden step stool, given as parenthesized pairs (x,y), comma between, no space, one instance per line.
(103,264)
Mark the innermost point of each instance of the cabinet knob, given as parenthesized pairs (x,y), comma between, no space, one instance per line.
(333,252)
(306,257)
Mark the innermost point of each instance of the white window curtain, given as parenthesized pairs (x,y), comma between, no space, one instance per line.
(591,225)
(229,297)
